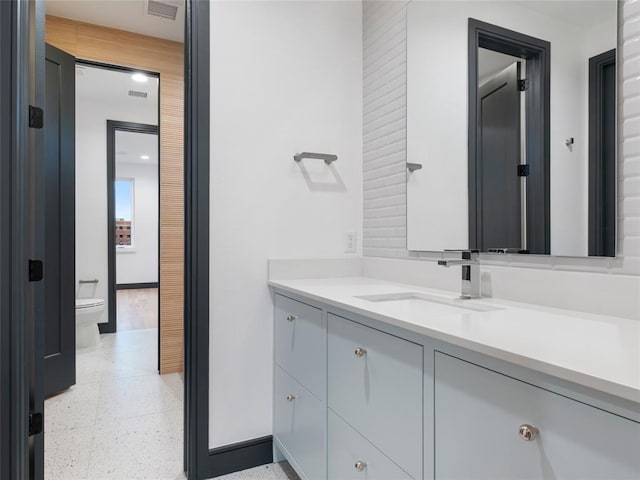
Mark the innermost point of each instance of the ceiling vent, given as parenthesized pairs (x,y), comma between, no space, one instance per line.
(138,94)
(162,9)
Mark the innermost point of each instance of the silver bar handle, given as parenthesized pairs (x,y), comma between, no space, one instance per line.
(327,157)
(95,280)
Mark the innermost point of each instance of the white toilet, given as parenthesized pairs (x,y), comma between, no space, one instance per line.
(87,316)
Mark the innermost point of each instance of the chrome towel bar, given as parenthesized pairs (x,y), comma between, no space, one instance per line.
(327,157)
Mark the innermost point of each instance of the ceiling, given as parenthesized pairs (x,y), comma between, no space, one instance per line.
(130,146)
(112,86)
(129,15)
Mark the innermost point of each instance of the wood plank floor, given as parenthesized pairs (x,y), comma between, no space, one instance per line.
(137,309)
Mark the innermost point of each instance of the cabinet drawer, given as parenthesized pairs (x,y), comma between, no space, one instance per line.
(347,447)
(480,412)
(300,343)
(300,425)
(378,389)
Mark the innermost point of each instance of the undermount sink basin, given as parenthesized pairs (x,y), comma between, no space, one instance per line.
(424,300)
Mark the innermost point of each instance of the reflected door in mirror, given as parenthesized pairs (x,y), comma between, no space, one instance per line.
(498,191)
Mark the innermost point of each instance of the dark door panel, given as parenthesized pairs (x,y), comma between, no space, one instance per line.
(59,261)
(498,189)
(602,154)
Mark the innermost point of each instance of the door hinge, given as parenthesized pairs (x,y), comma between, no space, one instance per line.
(35,423)
(523,85)
(36,270)
(523,170)
(36,117)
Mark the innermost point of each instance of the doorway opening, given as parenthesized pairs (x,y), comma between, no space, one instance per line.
(127,142)
(22,82)
(602,154)
(133,216)
(133,180)
(509,141)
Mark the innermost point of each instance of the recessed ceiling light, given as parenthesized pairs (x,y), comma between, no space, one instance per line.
(139,77)
(144,157)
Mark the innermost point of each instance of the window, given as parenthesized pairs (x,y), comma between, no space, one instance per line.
(124,212)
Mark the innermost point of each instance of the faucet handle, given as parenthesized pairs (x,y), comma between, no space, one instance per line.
(467,254)
(449,263)
(472,254)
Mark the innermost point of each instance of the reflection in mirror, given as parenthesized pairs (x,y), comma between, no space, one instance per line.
(136,197)
(509,102)
(500,200)
(530,86)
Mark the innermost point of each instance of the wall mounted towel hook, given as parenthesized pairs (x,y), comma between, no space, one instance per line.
(412,167)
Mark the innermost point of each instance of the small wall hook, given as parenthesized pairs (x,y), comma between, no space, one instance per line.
(569,142)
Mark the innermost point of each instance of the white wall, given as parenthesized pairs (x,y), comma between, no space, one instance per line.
(140,265)
(93,109)
(437,119)
(286,78)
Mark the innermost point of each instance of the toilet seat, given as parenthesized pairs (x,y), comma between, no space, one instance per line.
(88,303)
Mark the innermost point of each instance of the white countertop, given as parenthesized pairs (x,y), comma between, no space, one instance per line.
(600,352)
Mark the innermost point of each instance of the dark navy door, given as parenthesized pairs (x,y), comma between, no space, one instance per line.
(59,193)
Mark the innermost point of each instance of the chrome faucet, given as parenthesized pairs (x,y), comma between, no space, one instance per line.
(470,262)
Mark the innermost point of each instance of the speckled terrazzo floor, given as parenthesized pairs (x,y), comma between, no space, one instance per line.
(123,421)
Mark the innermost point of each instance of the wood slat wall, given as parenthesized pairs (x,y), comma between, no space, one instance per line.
(100,44)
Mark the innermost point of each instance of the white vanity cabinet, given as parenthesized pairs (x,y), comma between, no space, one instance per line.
(299,425)
(300,343)
(357,398)
(375,385)
(488,425)
(353,457)
(300,374)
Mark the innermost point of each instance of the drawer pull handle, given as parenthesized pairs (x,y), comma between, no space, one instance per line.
(360,466)
(360,352)
(528,432)
(291,398)
(291,318)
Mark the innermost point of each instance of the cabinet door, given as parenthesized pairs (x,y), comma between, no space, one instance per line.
(376,385)
(478,415)
(352,457)
(300,425)
(300,344)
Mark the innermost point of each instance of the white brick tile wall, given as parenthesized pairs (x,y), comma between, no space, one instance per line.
(384,142)
(384,128)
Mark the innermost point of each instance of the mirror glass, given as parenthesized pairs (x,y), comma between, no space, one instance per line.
(511,126)
(136,197)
